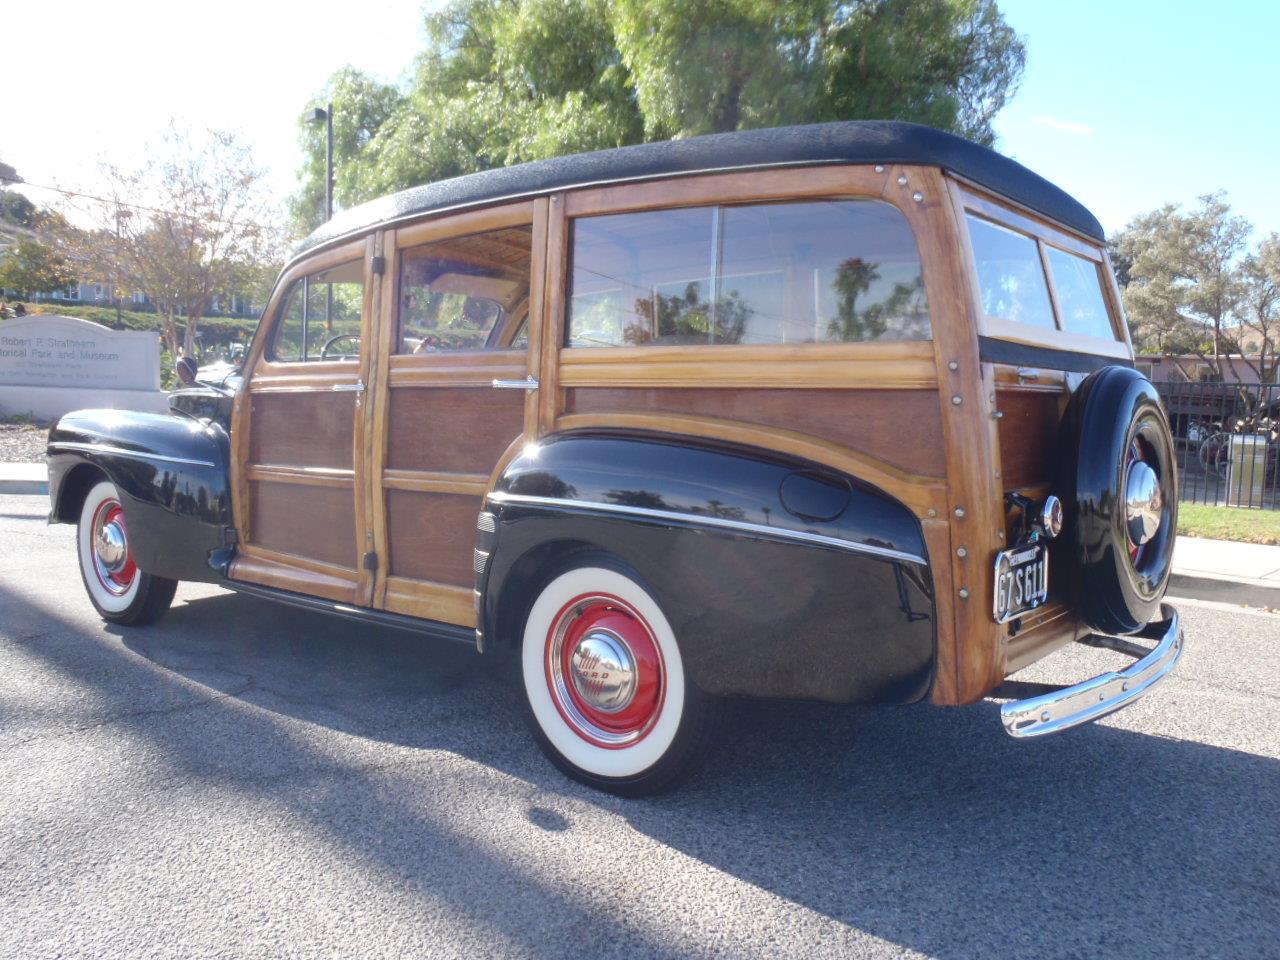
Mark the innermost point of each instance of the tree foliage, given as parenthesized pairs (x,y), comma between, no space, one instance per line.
(207,232)
(34,265)
(1191,287)
(505,81)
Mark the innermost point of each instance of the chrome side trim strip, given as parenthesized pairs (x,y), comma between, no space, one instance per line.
(759,529)
(122,452)
(1103,694)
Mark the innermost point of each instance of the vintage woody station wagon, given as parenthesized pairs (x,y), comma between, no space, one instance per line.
(841,412)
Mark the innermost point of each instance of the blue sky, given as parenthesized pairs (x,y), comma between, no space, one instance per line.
(1128,105)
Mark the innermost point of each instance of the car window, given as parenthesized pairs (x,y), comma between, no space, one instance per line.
(826,271)
(465,292)
(1010,275)
(321,316)
(1079,288)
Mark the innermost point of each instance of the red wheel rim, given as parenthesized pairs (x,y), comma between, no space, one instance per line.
(605,670)
(112,556)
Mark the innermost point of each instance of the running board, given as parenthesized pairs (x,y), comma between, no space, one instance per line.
(381,618)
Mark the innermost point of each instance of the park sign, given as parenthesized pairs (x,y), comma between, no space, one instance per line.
(50,365)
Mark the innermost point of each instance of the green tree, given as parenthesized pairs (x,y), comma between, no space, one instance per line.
(32,265)
(1184,288)
(1260,308)
(504,81)
(16,210)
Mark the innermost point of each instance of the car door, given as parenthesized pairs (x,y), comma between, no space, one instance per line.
(299,464)
(456,395)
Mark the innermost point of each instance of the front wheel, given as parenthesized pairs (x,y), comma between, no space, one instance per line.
(120,592)
(608,699)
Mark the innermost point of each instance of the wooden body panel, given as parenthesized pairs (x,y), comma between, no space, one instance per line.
(453,429)
(433,536)
(866,421)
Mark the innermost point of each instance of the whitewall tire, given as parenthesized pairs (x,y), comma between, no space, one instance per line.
(604,681)
(118,589)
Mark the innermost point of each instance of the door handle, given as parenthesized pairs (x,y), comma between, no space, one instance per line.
(1027,373)
(357,387)
(529,383)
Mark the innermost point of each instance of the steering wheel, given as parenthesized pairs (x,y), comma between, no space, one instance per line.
(354,338)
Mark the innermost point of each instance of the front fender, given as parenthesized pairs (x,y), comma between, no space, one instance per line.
(172,475)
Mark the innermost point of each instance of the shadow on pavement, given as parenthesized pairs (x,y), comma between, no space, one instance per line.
(926,827)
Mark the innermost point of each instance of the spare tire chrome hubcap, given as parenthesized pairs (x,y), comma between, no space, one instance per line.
(1143,503)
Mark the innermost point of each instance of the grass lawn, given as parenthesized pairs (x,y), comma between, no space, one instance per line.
(1229,523)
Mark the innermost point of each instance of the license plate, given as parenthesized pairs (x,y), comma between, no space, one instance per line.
(1022,580)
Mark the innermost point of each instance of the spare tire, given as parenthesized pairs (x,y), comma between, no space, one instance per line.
(1121,499)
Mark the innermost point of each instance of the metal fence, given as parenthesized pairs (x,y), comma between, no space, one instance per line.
(1228,442)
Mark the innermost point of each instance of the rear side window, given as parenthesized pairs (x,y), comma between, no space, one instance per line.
(1010,275)
(321,316)
(1079,290)
(833,271)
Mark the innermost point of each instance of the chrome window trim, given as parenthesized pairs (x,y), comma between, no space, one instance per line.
(773,533)
(122,452)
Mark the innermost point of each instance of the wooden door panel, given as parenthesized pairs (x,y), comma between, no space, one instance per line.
(452,429)
(303,520)
(433,536)
(303,429)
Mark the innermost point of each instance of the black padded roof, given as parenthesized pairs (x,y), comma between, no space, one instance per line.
(850,141)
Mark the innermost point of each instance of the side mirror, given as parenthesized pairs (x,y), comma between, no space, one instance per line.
(186,370)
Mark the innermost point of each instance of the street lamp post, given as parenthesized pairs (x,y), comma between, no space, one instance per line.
(316,115)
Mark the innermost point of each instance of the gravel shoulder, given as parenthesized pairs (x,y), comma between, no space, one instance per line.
(22,443)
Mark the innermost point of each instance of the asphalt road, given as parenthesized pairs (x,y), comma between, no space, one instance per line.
(246,780)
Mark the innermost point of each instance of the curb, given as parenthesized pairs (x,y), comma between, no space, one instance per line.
(24,487)
(1251,593)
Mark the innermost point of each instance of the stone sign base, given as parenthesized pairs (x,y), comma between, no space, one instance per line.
(49,403)
(51,365)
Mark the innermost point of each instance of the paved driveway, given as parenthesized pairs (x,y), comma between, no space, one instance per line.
(247,780)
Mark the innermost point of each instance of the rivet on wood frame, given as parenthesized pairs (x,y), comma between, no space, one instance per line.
(961,552)
(933,512)
(964,593)
(956,400)
(953,365)
(960,513)
(879,168)
(902,180)
(918,197)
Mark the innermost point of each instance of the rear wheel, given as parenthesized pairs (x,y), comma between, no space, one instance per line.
(604,680)
(119,591)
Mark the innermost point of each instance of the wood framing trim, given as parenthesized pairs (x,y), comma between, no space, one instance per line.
(969,641)
(550,393)
(296,574)
(1006,212)
(431,601)
(920,494)
(456,369)
(753,185)
(446,226)
(868,366)
(309,476)
(421,481)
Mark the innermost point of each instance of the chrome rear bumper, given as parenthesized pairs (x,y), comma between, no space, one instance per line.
(1082,702)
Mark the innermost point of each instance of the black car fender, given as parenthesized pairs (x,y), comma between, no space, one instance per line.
(172,476)
(783,578)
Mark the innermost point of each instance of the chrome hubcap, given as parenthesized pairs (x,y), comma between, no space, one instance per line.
(604,672)
(110,547)
(1143,503)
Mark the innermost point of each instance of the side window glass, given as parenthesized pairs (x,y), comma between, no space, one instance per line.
(465,292)
(321,316)
(832,271)
(1010,274)
(1079,287)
